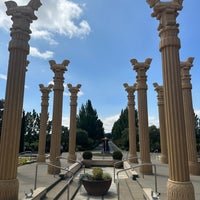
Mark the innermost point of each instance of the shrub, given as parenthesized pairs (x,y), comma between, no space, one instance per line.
(117,155)
(97,173)
(106,176)
(87,155)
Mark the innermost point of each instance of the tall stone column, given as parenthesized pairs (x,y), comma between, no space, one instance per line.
(43,121)
(59,70)
(141,68)
(72,131)
(194,166)
(161,111)
(22,17)
(131,123)
(179,185)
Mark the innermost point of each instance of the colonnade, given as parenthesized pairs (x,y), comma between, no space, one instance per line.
(174,100)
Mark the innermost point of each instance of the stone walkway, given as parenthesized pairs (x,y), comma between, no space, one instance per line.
(26,177)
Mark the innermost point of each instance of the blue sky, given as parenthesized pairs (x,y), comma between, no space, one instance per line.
(99,37)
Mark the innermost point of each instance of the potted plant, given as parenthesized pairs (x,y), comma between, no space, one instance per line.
(97,183)
(117,158)
(87,158)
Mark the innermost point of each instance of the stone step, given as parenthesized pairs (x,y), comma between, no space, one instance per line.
(130,189)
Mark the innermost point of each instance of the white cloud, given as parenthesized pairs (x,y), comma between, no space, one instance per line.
(153,121)
(65,121)
(44,35)
(108,122)
(197,112)
(61,17)
(54,17)
(3,76)
(36,53)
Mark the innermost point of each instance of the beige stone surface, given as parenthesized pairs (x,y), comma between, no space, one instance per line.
(131,123)
(179,184)
(161,112)
(43,121)
(72,132)
(21,16)
(141,69)
(194,166)
(58,89)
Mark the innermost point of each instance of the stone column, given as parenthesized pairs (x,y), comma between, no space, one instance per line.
(161,111)
(194,166)
(43,122)
(22,17)
(179,185)
(72,131)
(131,123)
(59,70)
(141,68)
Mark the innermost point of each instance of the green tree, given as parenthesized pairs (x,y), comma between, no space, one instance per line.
(82,141)
(154,137)
(88,121)
(197,132)
(32,125)
(120,130)
(65,138)
(120,125)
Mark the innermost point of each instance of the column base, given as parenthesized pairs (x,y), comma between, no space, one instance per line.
(180,190)
(71,158)
(54,169)
(164,159)
(194,168)
(9,189)
(41,158)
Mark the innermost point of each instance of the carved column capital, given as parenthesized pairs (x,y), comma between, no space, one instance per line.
(185,73)
(130,90)
(22,17)
(166,13)
(160,92)
(74,91)
(45,93)
(59,70)
(141,69)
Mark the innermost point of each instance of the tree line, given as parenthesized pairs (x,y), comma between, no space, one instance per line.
(89,132)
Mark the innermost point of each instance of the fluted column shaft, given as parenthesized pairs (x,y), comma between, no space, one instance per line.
(22,16)
(141,68)
(179,184)
(131,123)
(161,111)
(194,166)
(43,122)
(72,131)
(58,89)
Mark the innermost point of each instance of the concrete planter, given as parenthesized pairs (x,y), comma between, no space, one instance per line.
(97,187)
(87,163)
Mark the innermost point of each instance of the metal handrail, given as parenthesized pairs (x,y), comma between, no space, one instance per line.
(122,161)
(133,167)
(76,161)
(70,179)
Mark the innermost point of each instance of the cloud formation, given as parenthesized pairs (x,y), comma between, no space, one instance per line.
(108,122)
(3,76)
(36,53)
(61,17)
